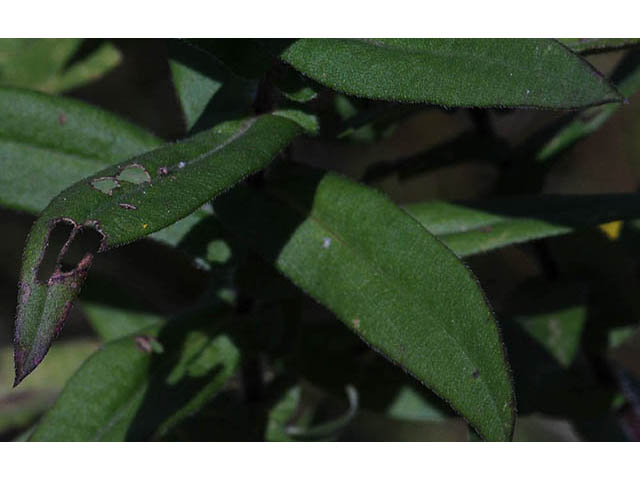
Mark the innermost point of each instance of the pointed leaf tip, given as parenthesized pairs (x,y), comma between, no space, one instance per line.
(459,72)
(388,280)
(135,206)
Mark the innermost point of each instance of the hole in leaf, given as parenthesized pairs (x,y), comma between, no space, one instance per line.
(57,239)
(134,174)
(87,240)
(105,184)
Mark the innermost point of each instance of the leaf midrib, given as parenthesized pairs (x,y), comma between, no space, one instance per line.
(118,196)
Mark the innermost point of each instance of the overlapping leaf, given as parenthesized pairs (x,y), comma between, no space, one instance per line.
(141,386)
(131,200)
(47,143)
(627,79)
(207,91)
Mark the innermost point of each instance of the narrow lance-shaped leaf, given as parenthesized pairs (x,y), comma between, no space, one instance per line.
(473,228)
(126,202)
(75,149)
(47,143)
(627,79)
(207,91)
(389,281)
(452,72)
(247,58)
(53,65)
(140,386)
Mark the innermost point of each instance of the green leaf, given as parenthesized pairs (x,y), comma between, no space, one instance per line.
(412,405)
(206,90)
(452,72)
(132,390)
(586,46)
(248,59)
(307,121)
(38,161)
(627,79)
(280,415)
(148,195)
(478,227)
(389,281)
(294,87)
(558,332)
(49,64)
(48,143)
(113,322)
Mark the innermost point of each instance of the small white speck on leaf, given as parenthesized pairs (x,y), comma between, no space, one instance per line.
(326,243)
(182,165)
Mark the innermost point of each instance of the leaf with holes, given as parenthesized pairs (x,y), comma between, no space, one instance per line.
(476,72)
(389,280)
(49,143)
(126,202)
